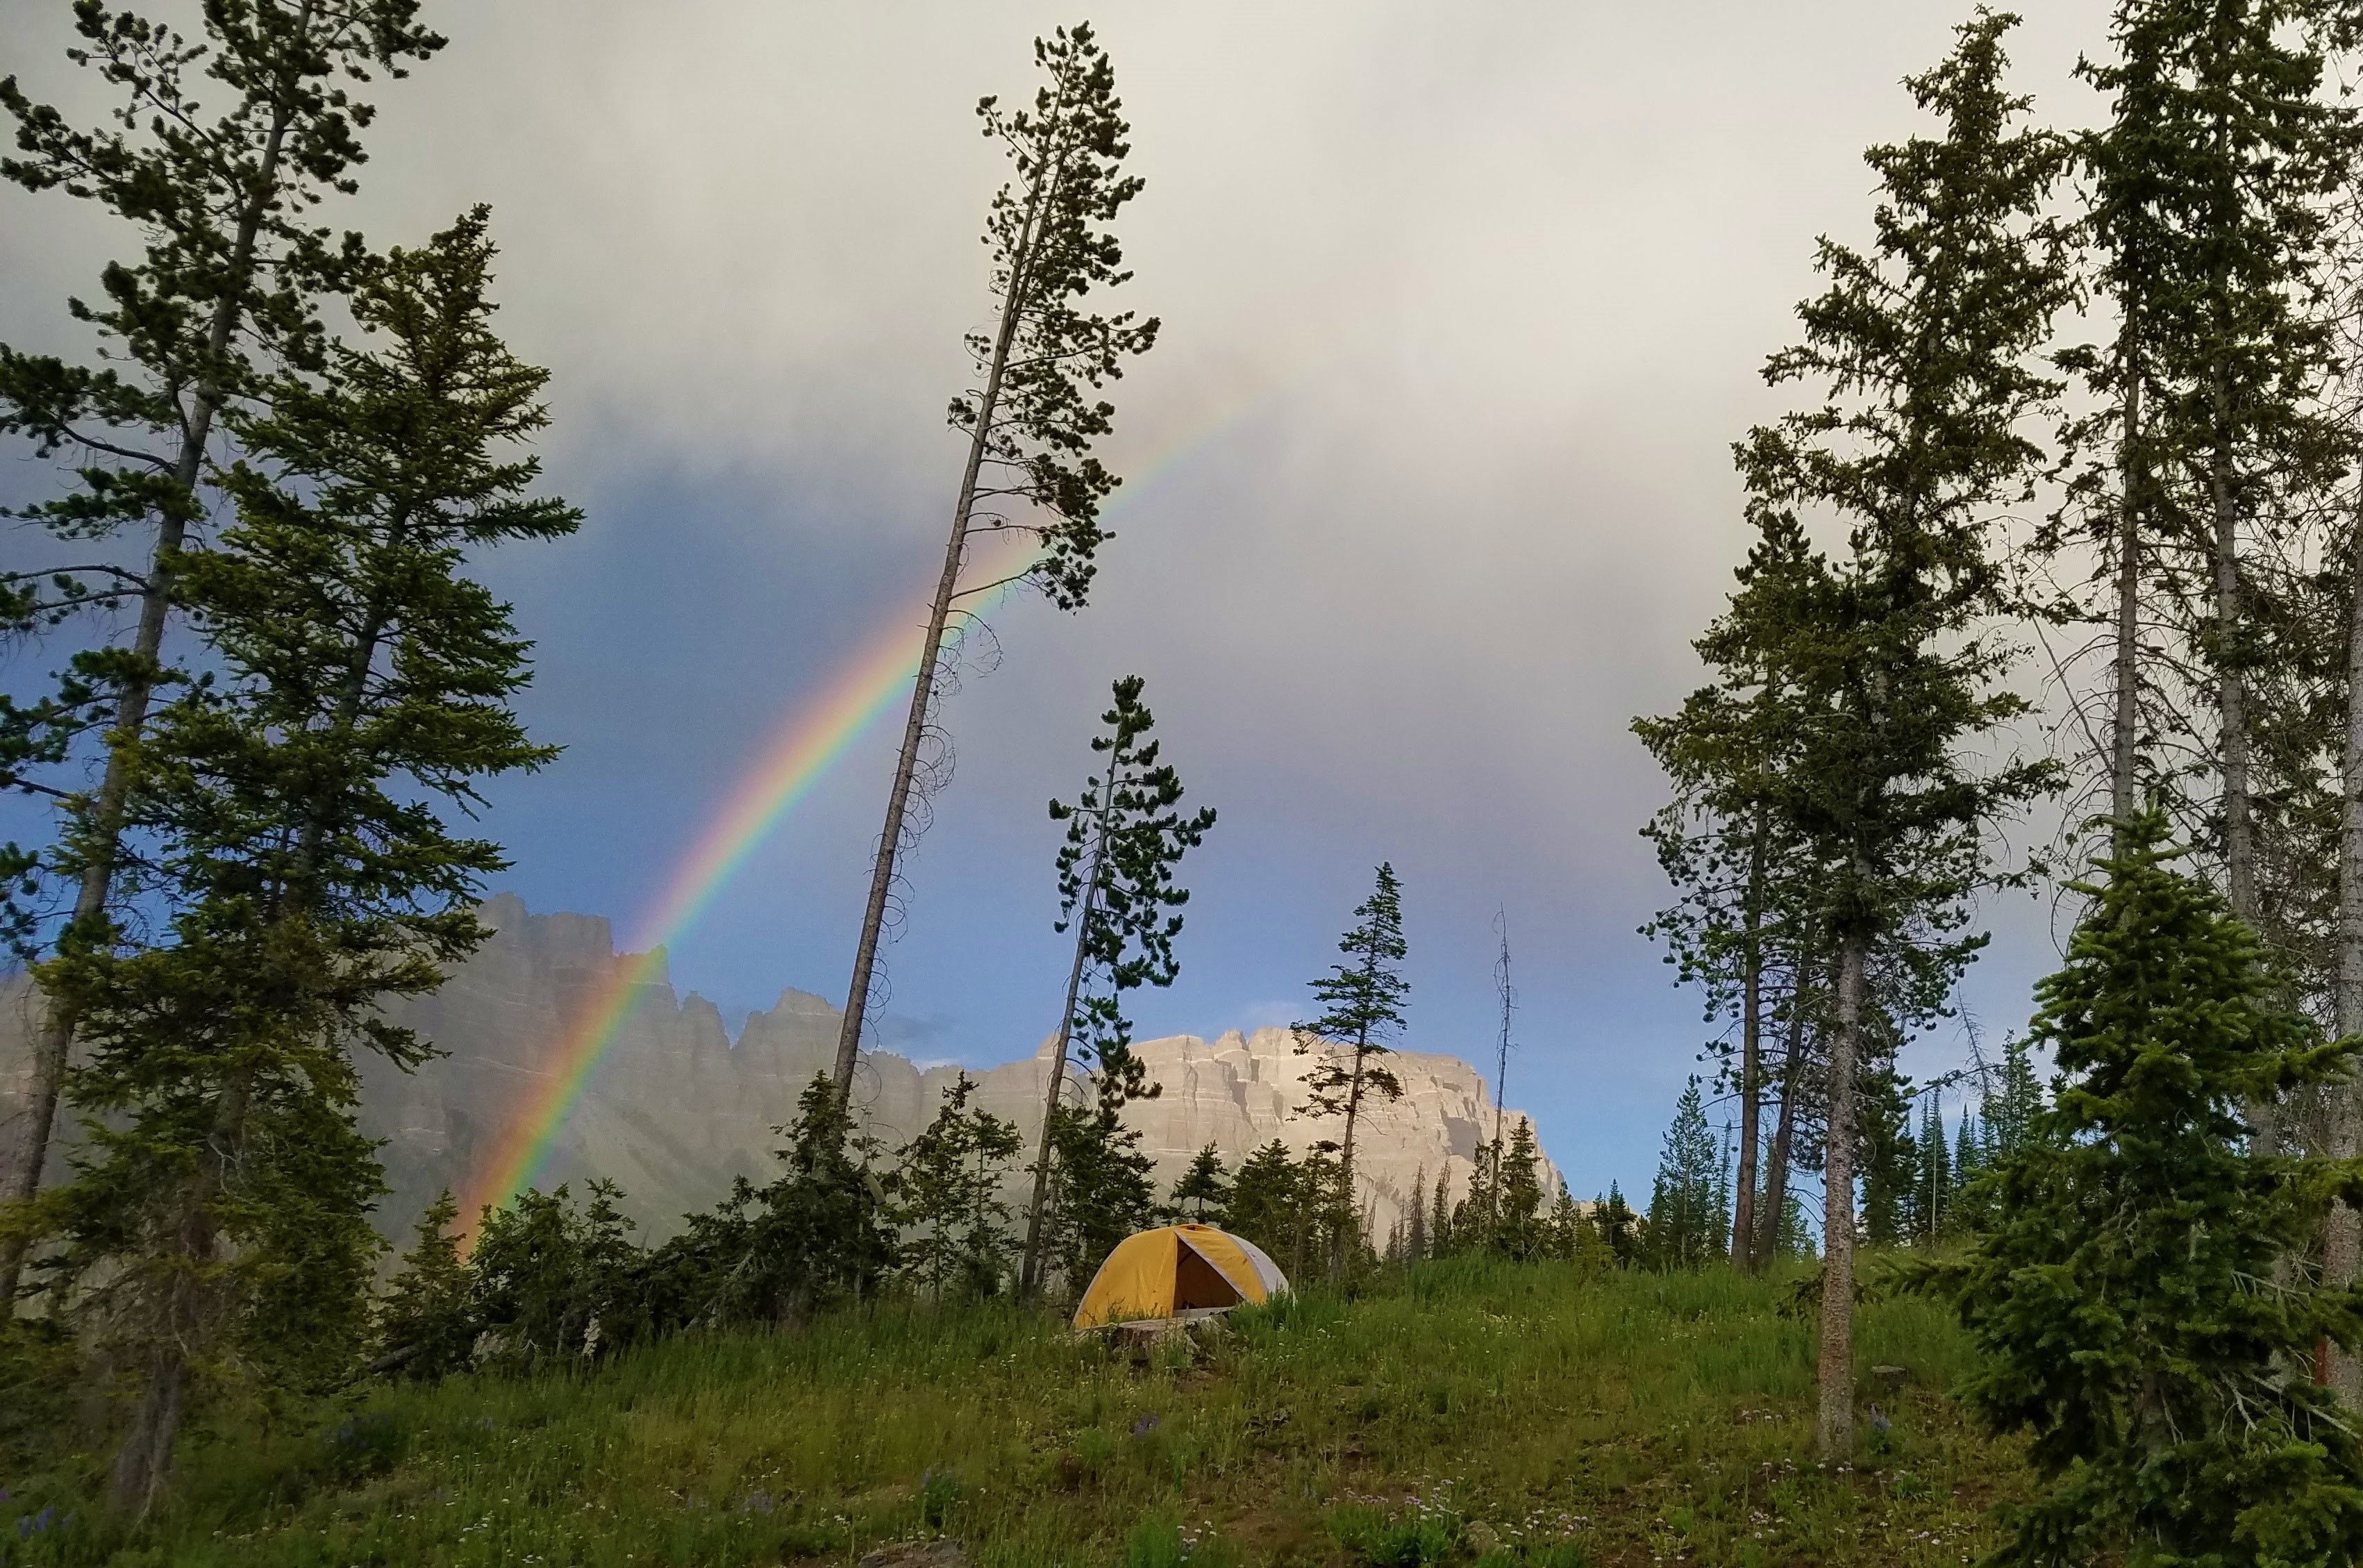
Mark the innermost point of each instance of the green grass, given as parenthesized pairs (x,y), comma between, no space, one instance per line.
(1492,1414)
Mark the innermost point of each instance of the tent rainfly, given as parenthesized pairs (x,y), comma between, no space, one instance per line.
(1176,1269)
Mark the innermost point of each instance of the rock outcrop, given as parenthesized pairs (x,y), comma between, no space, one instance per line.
(673,1109)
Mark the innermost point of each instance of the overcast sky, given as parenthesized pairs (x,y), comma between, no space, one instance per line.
(1431,482)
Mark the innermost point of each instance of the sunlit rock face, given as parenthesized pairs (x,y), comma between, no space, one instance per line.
(673,1110)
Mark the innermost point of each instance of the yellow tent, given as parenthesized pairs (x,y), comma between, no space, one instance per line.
(1176,1269)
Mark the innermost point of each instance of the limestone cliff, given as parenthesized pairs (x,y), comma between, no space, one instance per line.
(674,1111)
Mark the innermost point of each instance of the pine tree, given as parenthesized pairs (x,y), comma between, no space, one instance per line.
(228,290)
(1101,1190)
(2139,1224)
(1034,412)
(947,1183)
(1934,1200)
(423,1324)
(1264,1199)
(1924,352)
(291,810)
(1887,1157)
(1518,1222)
(2010,1112)
(1124,842)
(1683,1230)
(817,1235)
(1361,1010)
(1416,1239)
(1203,1192)
(1619,1227)
(551,1281)
(1441,1241)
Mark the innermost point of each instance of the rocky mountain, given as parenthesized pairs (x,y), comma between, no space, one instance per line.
(674,1109)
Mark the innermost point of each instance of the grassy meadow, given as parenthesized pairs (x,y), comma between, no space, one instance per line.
(1476,1413)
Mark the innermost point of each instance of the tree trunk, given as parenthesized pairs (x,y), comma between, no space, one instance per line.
(1835,1430)
(2124,731)
(1751,1033)
(143,1464)
(2342,1245)
(923,687)
(1030,1276)
(2232,710)
(1784,1129)
(22,1159)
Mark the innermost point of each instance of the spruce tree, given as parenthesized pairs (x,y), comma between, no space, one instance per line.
(295,812)
(1203,1192)
(2139,1224)
(1518,1219)
(1683,1229)
(1264,1199)
(1125,841)
(1361,1011)
(425,1327)
(1031,418)
(1923,354)
(948,1183)
(1619,1227)
(220,177)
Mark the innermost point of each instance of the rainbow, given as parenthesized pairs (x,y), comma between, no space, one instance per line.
(876,679)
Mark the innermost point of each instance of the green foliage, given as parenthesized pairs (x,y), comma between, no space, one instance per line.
(1686,1228)
(292,815)
(948,1186)
(552,1282)
(1050,247)
(1125,841)
(1203,1192)
(2135,1224)
(1101,1188)
(220,177)
(1620,1228)
(818,1234)
(426,1318)
(1361,1010)
(1416,1537)
(1519,1228)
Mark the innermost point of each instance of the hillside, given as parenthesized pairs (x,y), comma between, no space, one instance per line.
(1562,1419)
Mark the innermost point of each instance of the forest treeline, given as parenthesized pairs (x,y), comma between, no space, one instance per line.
(2052,587)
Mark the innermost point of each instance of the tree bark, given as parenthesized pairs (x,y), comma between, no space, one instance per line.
(2343,1245)
(23,1156)
(1751,1031)
(1785,1129)
(923,687)
(1834,1428)
(2124,732)
(1030,1276)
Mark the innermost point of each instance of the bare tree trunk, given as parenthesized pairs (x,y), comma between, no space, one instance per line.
(2343,1245)
(2125,729)
(1784,1129)
(1751,1033)
(22,1158)
(1029,1276)
(923,687)
(1835,1430)
(2232,712)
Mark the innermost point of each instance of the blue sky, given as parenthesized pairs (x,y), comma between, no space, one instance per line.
(1462,310)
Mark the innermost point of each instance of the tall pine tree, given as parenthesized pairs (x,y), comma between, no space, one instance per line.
(1034,413)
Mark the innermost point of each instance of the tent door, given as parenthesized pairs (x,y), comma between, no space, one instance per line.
(1197,1283)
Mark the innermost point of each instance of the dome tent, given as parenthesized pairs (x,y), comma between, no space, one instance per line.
(1176,1269)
